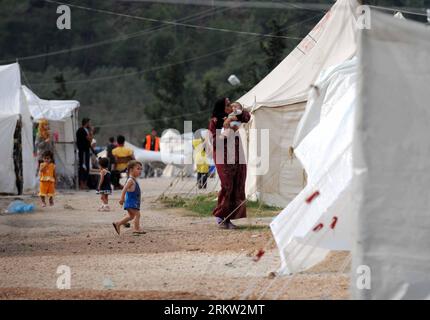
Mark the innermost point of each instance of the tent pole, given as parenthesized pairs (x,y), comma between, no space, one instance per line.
(74,124)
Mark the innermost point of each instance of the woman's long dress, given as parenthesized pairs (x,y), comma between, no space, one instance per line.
(231,198)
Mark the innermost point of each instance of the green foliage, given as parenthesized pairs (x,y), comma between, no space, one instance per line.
(132,71)
(203,205)
(274,48)
(61,93)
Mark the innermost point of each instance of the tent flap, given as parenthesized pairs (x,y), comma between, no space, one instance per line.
(391,161)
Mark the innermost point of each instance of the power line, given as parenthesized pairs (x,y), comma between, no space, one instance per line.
(141,71)
(170,22)
(150,30)
(398,10)
(151,120)
(240,45)
(243,4)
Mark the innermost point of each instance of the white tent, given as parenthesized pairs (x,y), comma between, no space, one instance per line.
(13,110)
(63,121)
(278,102)
(391,163)
(177,150)
(142,155)
(154,156)
(326,155)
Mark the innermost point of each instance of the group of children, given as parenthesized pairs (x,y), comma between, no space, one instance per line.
(130,195)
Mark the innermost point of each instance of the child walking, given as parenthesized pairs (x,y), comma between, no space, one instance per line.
(130,198)
(47,178)
(104,188)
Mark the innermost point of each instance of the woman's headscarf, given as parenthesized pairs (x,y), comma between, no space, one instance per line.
(219,112)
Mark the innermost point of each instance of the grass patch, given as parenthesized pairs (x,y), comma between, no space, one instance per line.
(254,227)
(203,205)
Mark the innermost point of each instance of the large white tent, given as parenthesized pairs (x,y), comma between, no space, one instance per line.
(391,162)
(367,158)
(279,100)
(20,106)
(326,155)
(13,112)
(63,121)
(180,148)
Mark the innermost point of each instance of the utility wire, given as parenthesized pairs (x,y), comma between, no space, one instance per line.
(151,120)
(398,10)
(240,45)
(150,30)
(171,22)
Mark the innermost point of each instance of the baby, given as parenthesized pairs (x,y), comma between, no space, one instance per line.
(237,110)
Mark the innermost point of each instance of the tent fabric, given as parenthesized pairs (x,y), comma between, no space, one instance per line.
(18,101)
(10,89)
(7,128)
(279,100)
(12,102)
(391,161)
(62,116)
(55,110)
(28,159)
(330,42)
(176,151)
(9,113)
(282,177)
(326,155)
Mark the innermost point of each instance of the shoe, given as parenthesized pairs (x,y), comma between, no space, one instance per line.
(221,223)
(116,228)
(230,225)
(127,225)
(106,208)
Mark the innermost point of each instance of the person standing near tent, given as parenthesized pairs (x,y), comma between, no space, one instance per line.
(84,137)
(201,161)
(43,141)
(110,146)
(151,143)
(47,178)
(123,156)
(104,188)
(231,199)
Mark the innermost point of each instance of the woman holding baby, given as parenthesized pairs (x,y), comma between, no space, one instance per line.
(229,160)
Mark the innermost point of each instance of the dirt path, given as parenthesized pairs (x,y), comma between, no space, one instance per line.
(181,256)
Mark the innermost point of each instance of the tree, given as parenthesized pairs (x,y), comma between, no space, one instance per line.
(61,93)
(209,95)
(274,47)
(169,89)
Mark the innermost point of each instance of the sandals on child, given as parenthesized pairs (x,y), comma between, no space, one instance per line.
(115,227)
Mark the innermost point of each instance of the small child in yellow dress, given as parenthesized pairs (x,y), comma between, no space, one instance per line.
(47,178)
